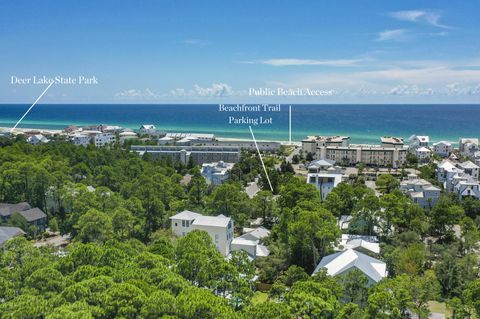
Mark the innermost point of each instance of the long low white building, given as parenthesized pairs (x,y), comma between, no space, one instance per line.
(199,154)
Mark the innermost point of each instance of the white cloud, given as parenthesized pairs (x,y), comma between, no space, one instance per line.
(410,90)
(198,42)
(453,89)
(136,94)
(393,35)
(420,16)
(215,90)
(302,62)
(399,78)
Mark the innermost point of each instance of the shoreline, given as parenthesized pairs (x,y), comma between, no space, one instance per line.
(24,130)
(364,124)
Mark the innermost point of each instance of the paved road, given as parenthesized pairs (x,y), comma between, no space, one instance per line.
(295,151)
(371,184)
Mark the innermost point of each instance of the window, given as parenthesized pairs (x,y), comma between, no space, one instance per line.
(183,223)
(187,223)
(216,238)
(176,224)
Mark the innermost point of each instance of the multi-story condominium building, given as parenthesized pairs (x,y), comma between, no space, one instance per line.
(391,152)
(220,228)
(422,192)
(248,145)
(103,139)
(468,146)
(325,176)
(423,154)
(199,154)
(80,139)
(417,141)
(216,173)
(98,138)
(443,148)
(312,143)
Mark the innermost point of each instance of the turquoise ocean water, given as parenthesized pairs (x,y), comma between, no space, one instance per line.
(363,123)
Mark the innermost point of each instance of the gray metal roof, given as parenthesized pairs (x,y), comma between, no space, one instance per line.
(33,214)
(7,233)
(8,209)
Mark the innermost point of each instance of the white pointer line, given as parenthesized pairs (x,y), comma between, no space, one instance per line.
(261,159)
(290,124)
(31,107)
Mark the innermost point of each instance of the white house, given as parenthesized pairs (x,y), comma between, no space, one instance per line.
(362,243)
(147,129)
(420,191)
(417,141)
(324,182)
(127,135)
(445,171)
(220,228)
(344,221)
(325,176)
(468,146)
(443,148)
(217,172)
(470,168)
(476,156)
(37,138)
(321,165)
(250,243)
(423,154)
(182,222)
(467,188)
(350,259)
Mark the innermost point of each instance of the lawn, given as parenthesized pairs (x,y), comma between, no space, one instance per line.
(439,307)
(259,297)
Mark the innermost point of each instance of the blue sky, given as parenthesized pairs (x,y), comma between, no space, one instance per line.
(214,51)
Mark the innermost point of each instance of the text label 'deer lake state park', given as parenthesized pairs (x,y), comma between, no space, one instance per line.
(66,80)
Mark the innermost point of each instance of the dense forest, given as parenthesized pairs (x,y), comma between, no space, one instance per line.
(123,261)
